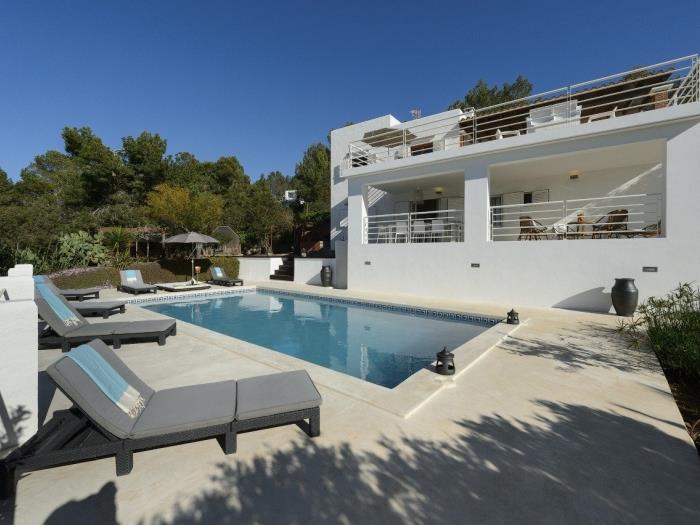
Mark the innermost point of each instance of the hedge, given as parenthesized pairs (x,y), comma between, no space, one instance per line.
(163,271)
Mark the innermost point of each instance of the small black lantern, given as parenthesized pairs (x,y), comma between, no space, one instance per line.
(513,317)
(445,364)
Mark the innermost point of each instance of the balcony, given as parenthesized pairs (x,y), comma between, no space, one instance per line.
(415,227)
(610,217)
(643,89)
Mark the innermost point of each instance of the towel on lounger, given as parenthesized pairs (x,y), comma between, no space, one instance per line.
(216,272)
(107,379)
(64,313)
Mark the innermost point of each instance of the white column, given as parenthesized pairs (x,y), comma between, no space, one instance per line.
(19,364)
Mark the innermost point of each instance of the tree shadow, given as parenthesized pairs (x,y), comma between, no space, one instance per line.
(586,345)
(569,464)
(11,430)
(99,508)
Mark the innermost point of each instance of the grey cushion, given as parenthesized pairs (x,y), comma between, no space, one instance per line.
(95,306)
(77,291)
(123,328)
(275,394)
(80,389)
(187,408)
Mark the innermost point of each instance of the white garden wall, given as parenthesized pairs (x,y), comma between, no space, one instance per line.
(308,270)
(257,268)
(19,404)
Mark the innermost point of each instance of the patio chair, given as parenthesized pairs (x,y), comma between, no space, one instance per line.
(132,282)
(418,231)
(218,276)
(115,413)
(88,309)
(401,232)
(553,115)
(530,229)
(77,294)
(438,231)
(613,224)
(66,327)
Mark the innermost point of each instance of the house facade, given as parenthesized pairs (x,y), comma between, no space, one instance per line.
(542,201)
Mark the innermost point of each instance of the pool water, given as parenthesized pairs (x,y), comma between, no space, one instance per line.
(377,345)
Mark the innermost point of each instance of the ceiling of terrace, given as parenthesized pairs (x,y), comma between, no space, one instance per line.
(598,159)
(452,183)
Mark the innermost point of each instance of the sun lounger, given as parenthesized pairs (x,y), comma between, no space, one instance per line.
(99,308)
(76,294)
(66,327)
(97,426)
(132,282)
(182,287)
(103,308)
(218,276)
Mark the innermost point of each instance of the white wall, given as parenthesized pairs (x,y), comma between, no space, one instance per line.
(258,268)
(308,270)
(573,274)
(19,404)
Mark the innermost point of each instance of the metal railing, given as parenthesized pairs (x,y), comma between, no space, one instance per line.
(415,227)
(619,216)
(646,88)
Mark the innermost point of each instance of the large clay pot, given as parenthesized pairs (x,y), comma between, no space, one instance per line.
(326,276)
(625,296)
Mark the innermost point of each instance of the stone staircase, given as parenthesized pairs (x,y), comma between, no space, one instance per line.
(286,270)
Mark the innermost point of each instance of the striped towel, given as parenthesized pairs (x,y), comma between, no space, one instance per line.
(64,312)
(107,379)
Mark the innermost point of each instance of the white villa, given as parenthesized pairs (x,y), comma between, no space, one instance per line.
(541,201)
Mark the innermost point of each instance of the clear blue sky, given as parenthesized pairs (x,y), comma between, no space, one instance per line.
(263,80)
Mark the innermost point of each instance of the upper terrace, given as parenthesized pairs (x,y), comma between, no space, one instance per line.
(644,89)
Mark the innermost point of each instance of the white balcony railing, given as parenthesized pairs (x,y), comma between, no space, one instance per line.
(621,216)
(643,89)
(415,227)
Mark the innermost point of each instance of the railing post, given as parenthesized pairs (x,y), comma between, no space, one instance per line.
(409,228)
(565,214)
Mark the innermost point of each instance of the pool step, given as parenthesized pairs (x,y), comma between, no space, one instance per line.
(285,272)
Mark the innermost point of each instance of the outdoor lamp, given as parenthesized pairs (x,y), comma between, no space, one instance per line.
(513,317)
(445,364)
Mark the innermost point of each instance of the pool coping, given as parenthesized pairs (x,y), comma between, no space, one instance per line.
(381,305)
(403,400)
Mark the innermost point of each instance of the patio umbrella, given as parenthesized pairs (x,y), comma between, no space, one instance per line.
(194,238)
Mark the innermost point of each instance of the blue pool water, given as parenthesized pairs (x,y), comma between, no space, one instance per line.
(380,346)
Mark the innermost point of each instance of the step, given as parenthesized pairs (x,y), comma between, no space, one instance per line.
(282,277)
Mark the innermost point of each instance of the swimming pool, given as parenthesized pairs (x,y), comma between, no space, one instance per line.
(377,344)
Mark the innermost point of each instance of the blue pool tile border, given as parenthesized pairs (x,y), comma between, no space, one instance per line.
(156,298)
(417,310)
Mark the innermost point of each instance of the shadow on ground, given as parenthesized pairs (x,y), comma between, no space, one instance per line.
(572,349)
(572,464)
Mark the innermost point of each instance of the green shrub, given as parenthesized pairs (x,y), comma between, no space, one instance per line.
(671,326)
(80,249)
(118,240)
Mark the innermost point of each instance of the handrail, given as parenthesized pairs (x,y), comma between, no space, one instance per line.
(581,103)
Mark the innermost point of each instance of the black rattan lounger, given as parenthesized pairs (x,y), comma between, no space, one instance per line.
(75,294)
(66,327)
(132,282)
(96,427)
(218,276)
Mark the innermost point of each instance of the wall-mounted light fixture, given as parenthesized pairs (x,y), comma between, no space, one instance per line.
(573,174)
(438,190)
